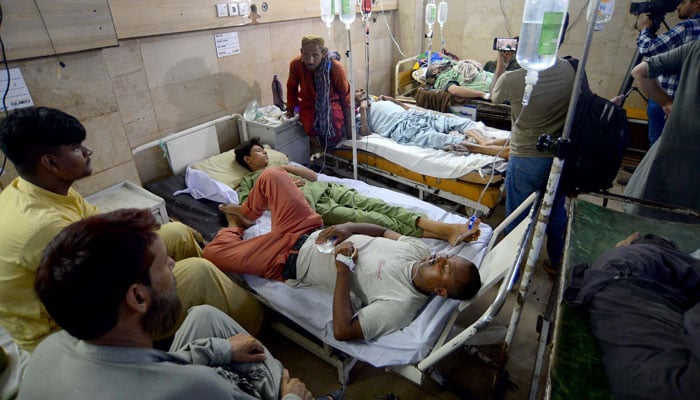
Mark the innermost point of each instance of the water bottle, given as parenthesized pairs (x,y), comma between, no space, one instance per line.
(539,38)
(346,13)
(328,12)
(251,111)
(277,93)
(602,14)
(442,13)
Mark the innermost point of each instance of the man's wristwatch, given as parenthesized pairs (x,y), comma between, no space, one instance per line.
(347,260)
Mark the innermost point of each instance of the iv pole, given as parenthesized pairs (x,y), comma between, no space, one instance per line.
(351,79)
(548,200)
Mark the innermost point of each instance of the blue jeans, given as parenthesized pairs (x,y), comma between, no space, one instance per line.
(656,120)
(524,176)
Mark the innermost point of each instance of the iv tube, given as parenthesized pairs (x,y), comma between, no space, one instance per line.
(442,18)
(346,12)
(328,11)
(543,22)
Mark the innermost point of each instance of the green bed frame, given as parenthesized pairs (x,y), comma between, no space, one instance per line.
(576,367)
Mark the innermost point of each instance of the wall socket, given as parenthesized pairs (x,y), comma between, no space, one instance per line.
(233,9)
(222,10)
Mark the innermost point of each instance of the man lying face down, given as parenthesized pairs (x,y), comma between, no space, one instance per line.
(379,278)
(108,281)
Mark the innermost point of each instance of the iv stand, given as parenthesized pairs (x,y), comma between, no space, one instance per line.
(351,79)
(548,200)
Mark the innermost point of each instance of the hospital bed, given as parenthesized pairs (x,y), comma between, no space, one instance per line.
(472,180)
(412,351)
(571,365)
(406,87)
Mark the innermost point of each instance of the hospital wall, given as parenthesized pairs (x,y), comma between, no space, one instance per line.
(472,25)
(146,88)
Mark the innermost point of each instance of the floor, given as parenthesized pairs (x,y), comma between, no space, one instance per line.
(467,376)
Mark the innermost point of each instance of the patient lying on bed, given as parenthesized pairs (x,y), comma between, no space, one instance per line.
(392,119)
(644,302)
(337,204)
(379,278)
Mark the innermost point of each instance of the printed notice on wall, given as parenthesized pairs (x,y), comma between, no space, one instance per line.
(18,94)
(227,44)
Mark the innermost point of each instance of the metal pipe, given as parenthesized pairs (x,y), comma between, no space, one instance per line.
(351,78)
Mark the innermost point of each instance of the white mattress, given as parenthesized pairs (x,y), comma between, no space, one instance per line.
(431,162)
(406,346)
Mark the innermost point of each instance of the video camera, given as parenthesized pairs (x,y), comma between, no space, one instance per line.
(656,9)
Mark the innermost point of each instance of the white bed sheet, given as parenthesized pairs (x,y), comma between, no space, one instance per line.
(406,346)
(432,162)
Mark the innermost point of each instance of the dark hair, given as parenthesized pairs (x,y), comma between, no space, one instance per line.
(88,267)
(472,286)
(28,133)
(243,150)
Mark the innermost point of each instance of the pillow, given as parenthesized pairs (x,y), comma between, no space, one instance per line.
(224,168)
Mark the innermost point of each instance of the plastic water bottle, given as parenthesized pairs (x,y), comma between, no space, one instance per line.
(602,14)
(251,111)
(346,13)
(539,38)
(277,93)
(442,13)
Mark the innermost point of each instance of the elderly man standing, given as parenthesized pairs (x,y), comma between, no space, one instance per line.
(318,85)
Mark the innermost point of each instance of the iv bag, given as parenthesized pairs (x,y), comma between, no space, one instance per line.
(328,11)
(602,14)
(539,37)
(430,14)
(366,8)
(346,13)
(442,13)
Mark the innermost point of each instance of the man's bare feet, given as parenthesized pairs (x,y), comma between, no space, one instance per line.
(628,241)
(234,216)
(462,233)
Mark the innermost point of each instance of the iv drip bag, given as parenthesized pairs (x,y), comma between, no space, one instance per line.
(346,12)
(328,11)
(430,15)
(442,13)
(543,22)
(366,8)
(602,14)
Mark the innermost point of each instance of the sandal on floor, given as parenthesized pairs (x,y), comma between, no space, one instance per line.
(337,394)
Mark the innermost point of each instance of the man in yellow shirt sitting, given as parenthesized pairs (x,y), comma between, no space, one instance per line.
(46,147)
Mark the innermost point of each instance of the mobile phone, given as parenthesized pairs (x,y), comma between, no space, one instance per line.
(505,44)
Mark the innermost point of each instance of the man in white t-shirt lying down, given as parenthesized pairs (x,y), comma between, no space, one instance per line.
(379,279)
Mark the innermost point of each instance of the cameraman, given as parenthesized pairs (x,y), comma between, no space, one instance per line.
(649,44)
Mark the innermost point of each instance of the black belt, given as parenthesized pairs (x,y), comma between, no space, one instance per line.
(290,267)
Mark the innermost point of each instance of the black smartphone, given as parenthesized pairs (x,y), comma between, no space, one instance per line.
(505,44)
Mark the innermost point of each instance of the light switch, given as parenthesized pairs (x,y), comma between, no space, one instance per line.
(222,10)
(243,9)
(232,9)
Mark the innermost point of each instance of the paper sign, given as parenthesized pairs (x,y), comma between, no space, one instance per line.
(227,44)
(18,96)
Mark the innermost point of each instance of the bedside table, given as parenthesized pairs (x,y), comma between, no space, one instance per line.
(288,138)
(128,195)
